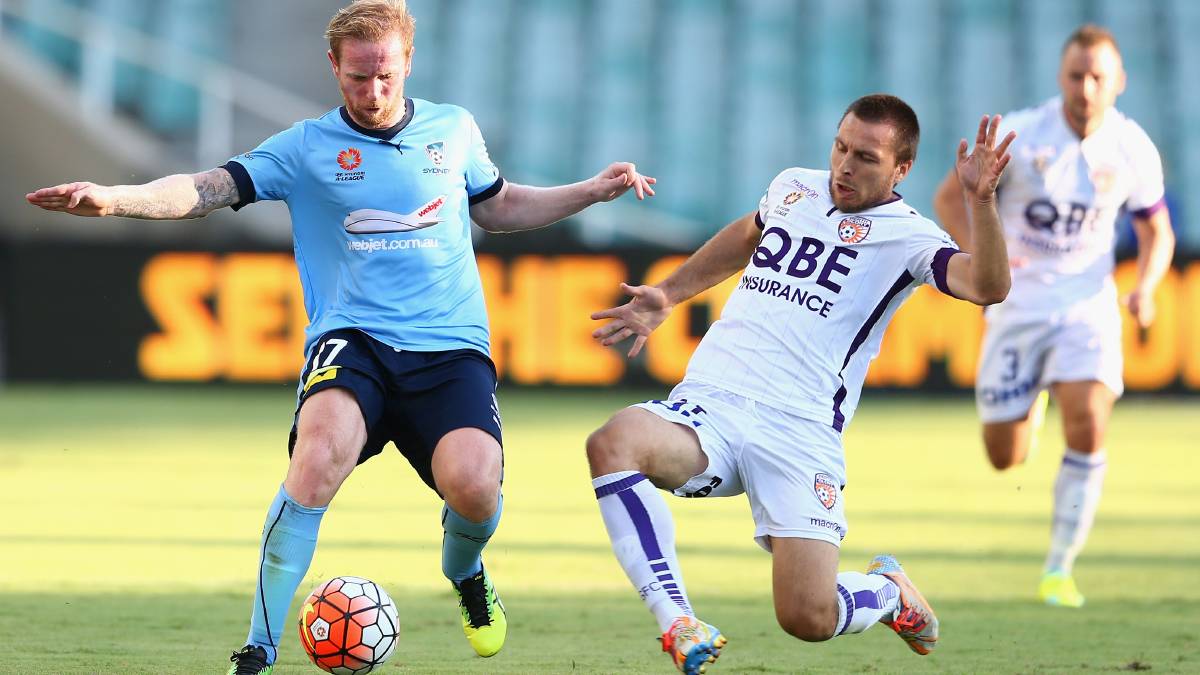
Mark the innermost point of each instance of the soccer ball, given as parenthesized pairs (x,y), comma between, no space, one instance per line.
(348,626)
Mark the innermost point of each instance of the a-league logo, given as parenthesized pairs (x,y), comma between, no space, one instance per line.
(436,152)
(854,229)
(349,159)
(826,489)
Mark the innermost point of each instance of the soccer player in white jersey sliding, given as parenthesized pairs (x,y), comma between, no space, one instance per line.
(381,192)
(827,259)
(1077,163)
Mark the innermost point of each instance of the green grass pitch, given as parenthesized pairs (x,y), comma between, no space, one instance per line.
(132,517)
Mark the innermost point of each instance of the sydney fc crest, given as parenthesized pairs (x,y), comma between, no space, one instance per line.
(854,229)
(826,489)
(436,152)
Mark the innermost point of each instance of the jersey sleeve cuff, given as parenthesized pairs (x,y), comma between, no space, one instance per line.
(245,185)
(1150,210)
(486,193)
(941,261)
(759,221)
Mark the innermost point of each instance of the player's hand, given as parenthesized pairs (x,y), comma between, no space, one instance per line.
(1141,307)
(979,172)
(638,317)
(617,179)
(80,199)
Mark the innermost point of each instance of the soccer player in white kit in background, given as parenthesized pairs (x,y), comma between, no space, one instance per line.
(1077,163)
(828,257)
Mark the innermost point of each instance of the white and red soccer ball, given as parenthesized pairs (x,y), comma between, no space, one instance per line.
(348,626)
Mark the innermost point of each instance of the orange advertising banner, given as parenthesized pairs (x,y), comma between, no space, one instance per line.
(240,317)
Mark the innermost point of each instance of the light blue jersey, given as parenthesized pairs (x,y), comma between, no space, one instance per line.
(381,224)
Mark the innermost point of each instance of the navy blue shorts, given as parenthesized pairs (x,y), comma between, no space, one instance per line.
(412,399)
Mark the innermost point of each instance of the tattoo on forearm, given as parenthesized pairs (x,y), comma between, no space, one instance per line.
(177,197)
(215,190)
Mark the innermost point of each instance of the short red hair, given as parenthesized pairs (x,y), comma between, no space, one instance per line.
(371,20)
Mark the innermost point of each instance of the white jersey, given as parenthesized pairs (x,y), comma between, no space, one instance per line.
(1059,199)
(809,313)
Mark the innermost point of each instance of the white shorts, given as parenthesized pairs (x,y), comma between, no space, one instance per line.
(1022,357)
(792,469)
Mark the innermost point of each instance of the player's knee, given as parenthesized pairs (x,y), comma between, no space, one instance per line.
(313,477)
(811,624)
(1002,453)
(1002,458)
(472,496)
(1084,432)
(606,452)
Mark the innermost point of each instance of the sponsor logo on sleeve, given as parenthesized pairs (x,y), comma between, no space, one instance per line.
(788,200)
(803,189)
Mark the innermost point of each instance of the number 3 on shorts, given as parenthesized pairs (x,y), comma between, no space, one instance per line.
(1010,356)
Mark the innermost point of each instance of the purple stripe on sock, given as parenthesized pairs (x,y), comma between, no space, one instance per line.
(668,586)
(1082,464)
(849,608)
(665,577)
(868,599)
(641,521)
(617,486)
(659,567)
(645,529)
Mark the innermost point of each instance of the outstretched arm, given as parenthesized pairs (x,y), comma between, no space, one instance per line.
(173,197)
(982,276)
(523,207)
(720,257)
(1156,247)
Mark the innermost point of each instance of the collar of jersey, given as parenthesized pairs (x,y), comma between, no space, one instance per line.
(381,134)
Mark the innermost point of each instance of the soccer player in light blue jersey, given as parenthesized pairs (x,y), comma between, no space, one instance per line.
(381,192)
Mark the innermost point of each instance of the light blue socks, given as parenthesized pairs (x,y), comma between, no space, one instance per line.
(289,539)
(463,542)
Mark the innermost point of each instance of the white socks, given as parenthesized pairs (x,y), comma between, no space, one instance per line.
(643,539)
(642,532)
(1076,498)
(864,599)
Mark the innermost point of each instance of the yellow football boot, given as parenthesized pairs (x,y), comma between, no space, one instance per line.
(1058,589)
(482,614)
